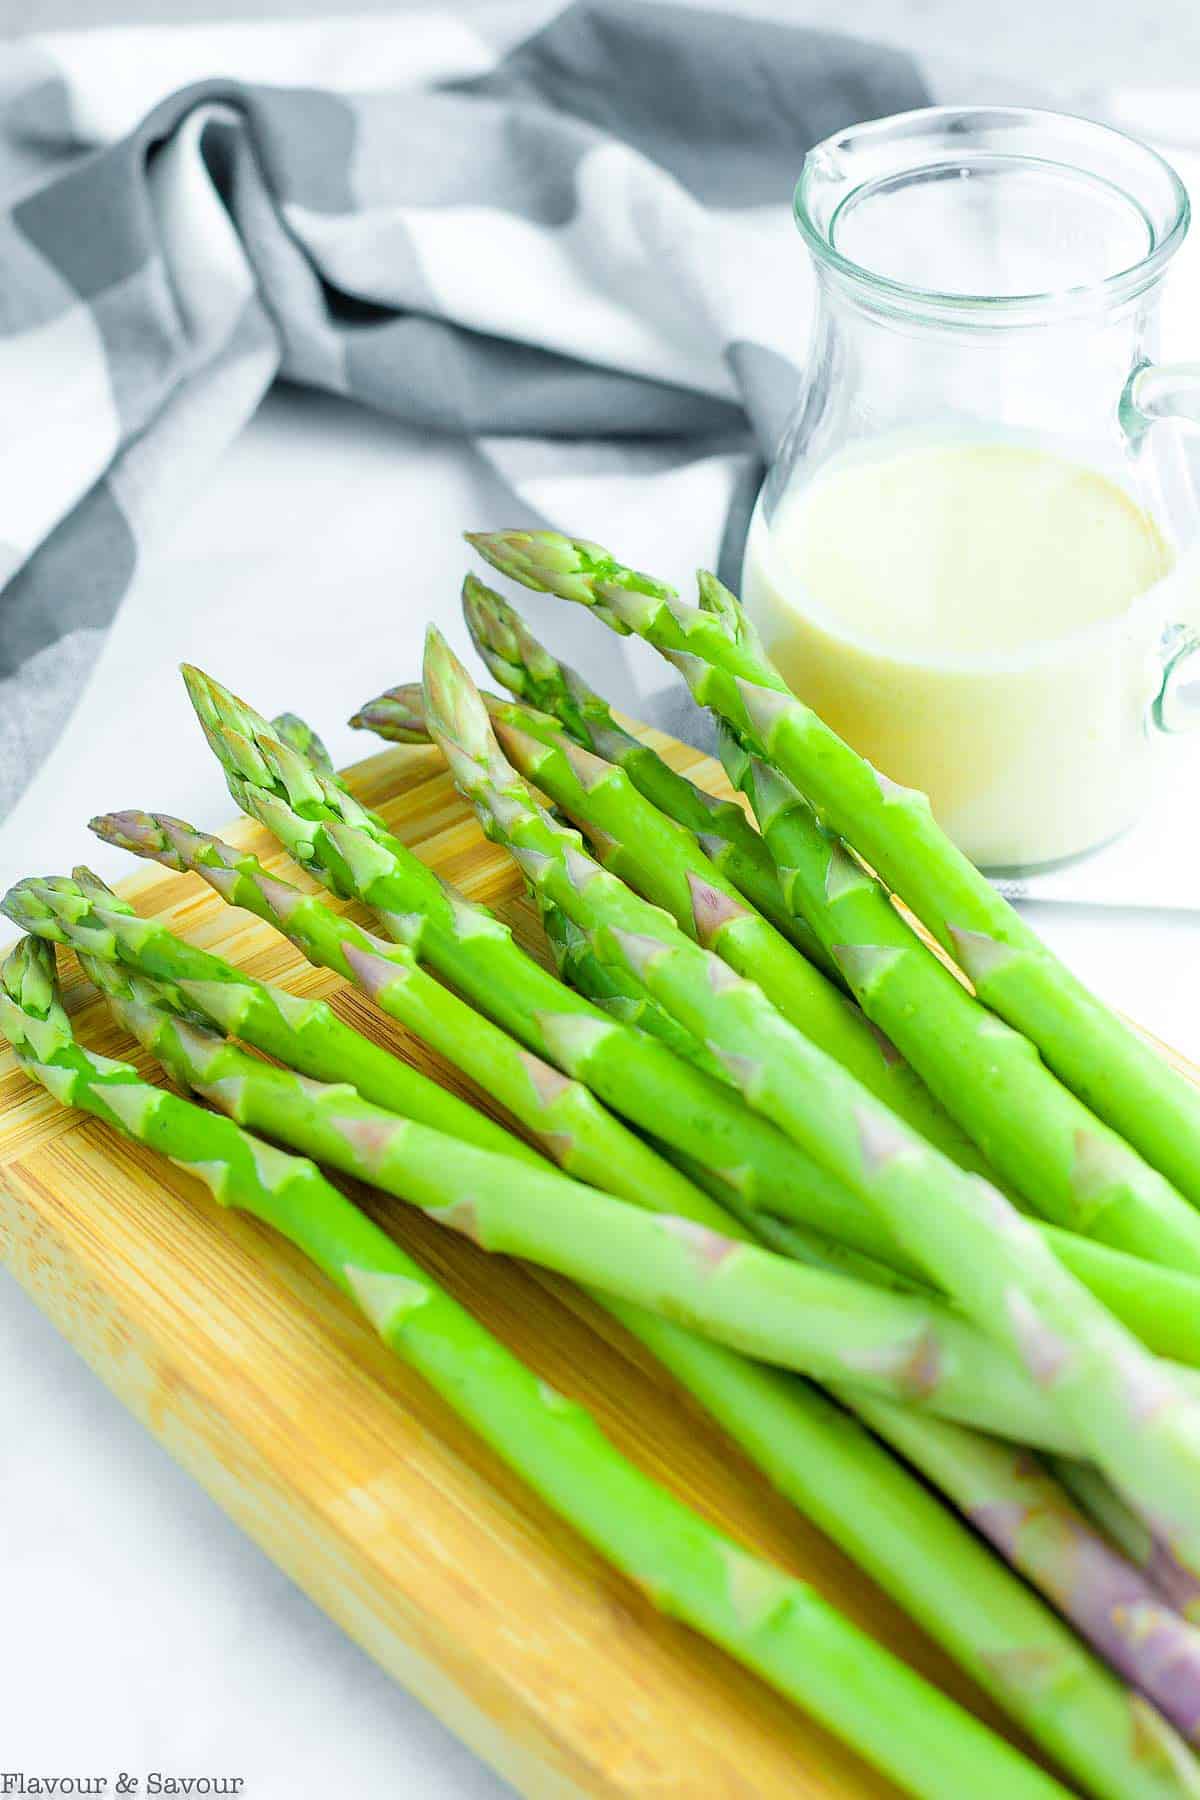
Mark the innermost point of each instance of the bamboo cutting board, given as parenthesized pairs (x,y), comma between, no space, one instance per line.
(357,1480)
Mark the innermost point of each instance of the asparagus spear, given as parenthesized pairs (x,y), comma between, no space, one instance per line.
(1135,1418)
(1159,1305)
(1040,1137)
(1109,1511)
(352,851)
(713,1280)
(307,1034)
(771,1170)
(398,715)
(806,996)
(771,1622)
(569,1123)
(665,864)
(829,1466)
(1042,1140)
(618,993)
(1009,1497)
(716,649)
(1004,1493)
(524,666)
(920,1554)
(300,736)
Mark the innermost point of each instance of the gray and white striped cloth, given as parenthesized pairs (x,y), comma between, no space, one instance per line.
(557,232)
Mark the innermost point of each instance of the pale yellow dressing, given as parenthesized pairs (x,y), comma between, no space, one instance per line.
(961,613)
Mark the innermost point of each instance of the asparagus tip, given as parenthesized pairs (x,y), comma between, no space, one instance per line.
(90,882)
(397,714)
(129,829)
(476,592)
(30,976)
(297,734)
(194,680)
(454,710)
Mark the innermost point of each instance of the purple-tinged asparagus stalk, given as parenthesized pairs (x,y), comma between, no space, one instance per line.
(1177,1585)
(1008,1495)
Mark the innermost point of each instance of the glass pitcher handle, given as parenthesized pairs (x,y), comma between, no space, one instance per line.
(1162,391)
(1176,706)
(1155,392)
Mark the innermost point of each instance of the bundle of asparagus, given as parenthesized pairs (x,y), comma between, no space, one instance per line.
(729,1149)
(717,652)
(811,1451)
(1137,1422)
(771,1622)
(1044,1142)
(778,1122)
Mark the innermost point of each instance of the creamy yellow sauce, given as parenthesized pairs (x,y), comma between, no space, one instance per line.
(961,613)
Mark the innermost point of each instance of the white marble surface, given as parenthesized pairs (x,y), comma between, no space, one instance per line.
(141,1629)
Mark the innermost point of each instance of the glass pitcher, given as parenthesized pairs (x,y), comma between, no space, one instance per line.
(975,555)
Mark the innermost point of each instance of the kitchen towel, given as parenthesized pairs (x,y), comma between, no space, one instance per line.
(562,231)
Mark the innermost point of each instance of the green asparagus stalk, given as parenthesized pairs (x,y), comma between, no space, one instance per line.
(1118,1076)
(614,989)
(711,1280)
(524,666)
(532,1092)
(398,716)
(124,986)
(300,736)
(569,1123)
(1163,1308)
(665,864)
(772,1623)
(307,1034)
(813,1453)
(1160,1306)
(1097,1499)
(795,985)
(352,852)
(1044,1142)
(1004,1494)
(1137,1421)
(618,994)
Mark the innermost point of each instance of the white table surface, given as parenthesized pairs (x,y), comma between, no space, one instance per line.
(142,1630)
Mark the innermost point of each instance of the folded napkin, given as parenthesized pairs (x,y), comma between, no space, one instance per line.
(563,232)
(549,239)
